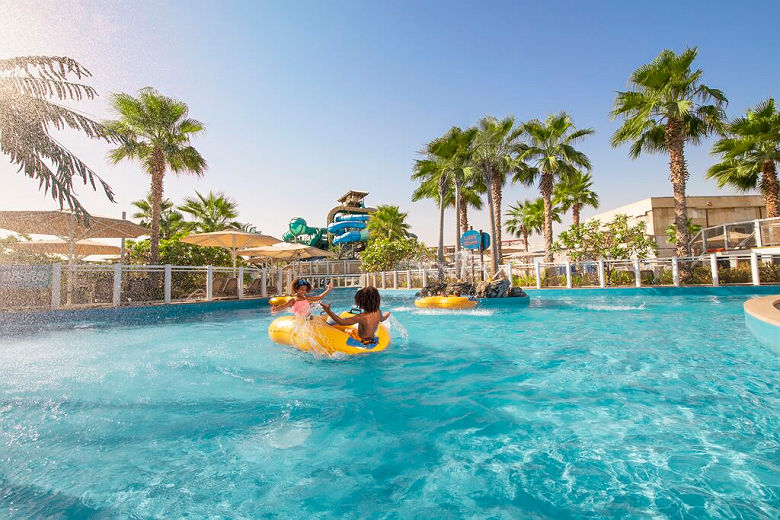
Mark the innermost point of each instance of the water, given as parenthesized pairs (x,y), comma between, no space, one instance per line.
(588,407)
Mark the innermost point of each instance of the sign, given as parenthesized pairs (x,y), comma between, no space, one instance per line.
(471,240)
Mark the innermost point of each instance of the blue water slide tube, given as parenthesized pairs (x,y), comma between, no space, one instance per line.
(349,216)
(337,227)
(352,236)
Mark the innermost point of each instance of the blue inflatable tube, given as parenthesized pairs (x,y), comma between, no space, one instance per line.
(358,218)
(337,227)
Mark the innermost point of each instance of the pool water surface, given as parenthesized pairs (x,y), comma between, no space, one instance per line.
(568,407)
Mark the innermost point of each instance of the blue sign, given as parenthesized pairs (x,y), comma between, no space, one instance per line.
(470,240)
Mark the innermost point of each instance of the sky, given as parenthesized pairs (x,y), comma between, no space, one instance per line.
(303,101)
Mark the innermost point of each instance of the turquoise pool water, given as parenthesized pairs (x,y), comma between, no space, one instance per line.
(570,407)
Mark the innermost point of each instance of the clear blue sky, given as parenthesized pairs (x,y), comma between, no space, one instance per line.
(305,100)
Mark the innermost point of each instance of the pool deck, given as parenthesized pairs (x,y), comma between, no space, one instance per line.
(762,317)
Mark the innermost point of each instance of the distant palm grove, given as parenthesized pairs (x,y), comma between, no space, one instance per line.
(667,108)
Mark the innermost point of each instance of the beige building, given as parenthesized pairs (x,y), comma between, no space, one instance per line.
(658,213)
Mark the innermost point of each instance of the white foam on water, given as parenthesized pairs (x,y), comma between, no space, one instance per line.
(454,312)
(597,307)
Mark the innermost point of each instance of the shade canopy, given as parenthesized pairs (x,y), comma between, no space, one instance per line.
(283,252)
(65,225)
(232,239)
(58,246)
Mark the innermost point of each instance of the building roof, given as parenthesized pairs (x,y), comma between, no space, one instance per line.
(353,196)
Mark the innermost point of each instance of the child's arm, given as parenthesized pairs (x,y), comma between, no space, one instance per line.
(288,303)
(321,296)
(338,320)
(383,317)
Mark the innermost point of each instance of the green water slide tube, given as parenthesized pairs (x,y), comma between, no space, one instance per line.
(302,233)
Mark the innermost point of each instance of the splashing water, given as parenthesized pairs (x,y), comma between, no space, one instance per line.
(397,330)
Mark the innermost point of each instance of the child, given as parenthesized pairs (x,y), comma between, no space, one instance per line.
(367,299)
(300,302)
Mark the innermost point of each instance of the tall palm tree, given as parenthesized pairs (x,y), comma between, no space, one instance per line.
(667,108)
(495,150)
(434,170)
(750,152)
(388,222)
(157,132)
(31,89)
(551,156)
(212,212)
(527,217)
(171,221)
(574,193)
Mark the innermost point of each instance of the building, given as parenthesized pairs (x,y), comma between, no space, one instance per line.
(658,213)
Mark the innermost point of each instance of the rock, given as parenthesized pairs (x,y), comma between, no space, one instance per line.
(436,288)
(493,289)
(517,292)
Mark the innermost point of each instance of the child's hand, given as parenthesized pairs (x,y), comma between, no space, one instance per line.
(330,284)
(325,306)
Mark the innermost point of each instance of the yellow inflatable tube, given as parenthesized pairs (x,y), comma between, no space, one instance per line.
(279,300)
(446,302)
(317,335)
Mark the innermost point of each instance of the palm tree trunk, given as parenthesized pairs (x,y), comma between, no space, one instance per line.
(575,214)
(525,238)
(440,259)
(491,211)
(769,186)
(158,172)
(464,214)
(457,226)
(497,188)
(546,187)
(678,173)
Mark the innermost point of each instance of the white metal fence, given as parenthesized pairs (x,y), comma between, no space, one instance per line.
(58,285)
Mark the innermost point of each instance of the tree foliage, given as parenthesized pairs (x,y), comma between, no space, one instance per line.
(614,240)
(173,251)
(171,221)
(527,218)
(386,254)
(212,212)
(388,222)
(671,231)
(31,89)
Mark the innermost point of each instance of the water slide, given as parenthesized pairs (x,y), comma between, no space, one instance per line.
(301,233)
(347,228)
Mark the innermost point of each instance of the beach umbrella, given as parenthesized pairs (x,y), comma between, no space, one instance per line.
(284,252)
(232,239)
(57,246)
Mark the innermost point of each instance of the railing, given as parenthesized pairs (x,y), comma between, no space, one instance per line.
(737,236)
(60,286)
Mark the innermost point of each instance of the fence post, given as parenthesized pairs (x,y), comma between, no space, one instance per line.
(538,273)
(757,232)
(56,285)
(714,270)
(117,285)
(384,284)
(395,279)
(408,279)
(279,282)
(676,271)
(424,277)
(509,274)
(754,272)
(637,273)
(264,282)
(167,284)
(725,239)
(568,274)
(240,284)
(602,278)
(209,282)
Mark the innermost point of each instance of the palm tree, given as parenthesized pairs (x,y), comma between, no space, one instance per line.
(388,222)
(574,193)
(749,152)
(495,150)
(527,217)
(157,133)
(31,88)
(667,108)
(434,170)
(171,221)
(551,156)
(214,212)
